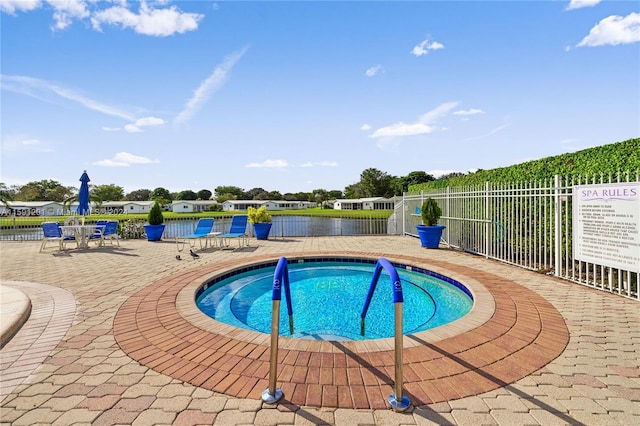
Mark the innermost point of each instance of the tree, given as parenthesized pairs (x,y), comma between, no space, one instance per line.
(139,195)
(256,194)
(335,194)
(44,190)
(204,194)
(186,195)
(107,192)
(161,193)
(319,196)
(6,194)
(353,191)
(275,195)
(234,191)
(224,197)
(417,177)
(375,183)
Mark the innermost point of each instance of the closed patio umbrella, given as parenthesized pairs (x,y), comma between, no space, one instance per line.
(83,196)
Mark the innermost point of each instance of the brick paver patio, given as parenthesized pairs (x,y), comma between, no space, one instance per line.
(546,352)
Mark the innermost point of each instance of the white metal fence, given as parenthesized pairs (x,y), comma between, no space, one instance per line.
(524,224)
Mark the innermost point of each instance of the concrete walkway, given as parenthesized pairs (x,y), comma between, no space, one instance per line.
(64,365)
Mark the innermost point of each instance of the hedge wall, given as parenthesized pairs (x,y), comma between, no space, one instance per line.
(606,159)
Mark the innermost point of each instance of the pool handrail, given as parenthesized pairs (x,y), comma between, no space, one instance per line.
(395,281)
(280,278)
(397,400)
(272,395)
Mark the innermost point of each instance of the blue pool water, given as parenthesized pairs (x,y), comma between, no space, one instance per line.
(328,297)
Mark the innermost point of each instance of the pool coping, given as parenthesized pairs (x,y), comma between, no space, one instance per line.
(482,310)
(495,347)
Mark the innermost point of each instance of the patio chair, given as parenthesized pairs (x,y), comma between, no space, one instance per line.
(238,229)
(98,233)
(111,232)
(201,233)
(53,233)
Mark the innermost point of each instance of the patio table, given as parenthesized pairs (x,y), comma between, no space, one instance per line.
(83,232)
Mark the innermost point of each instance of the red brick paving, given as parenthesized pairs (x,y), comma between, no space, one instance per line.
(524,334)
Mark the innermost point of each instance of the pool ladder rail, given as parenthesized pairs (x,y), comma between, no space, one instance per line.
(272,395)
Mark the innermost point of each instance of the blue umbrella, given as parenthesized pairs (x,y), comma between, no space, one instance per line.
(83,195)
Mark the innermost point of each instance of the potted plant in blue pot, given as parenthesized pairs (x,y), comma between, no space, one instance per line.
(430,232)
(155,226)
(261,220)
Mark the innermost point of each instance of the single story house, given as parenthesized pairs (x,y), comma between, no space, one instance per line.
(32,208)
(271,205)
(372,203)
(192,206)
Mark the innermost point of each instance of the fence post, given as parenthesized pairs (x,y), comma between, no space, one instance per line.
(487,240)
(558,226)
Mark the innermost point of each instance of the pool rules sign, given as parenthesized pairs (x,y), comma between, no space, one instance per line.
(606,225)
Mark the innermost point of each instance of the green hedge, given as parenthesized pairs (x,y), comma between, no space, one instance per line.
(606,159)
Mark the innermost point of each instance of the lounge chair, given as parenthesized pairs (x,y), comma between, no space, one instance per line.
(201,233)
(238,229)
(111,232)
(53,233)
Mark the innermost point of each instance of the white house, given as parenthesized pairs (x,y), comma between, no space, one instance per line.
(235,205)
(123,207)
(372,203)
(32,208)
(191,206)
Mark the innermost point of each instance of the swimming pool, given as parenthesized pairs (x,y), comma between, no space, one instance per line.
(328,296)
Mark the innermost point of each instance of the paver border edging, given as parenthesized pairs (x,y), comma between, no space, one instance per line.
(523,335)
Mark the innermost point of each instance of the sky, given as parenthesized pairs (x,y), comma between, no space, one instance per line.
(293,96)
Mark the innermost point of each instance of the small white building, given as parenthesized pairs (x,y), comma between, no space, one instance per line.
(122,207)
(192,206)
(372,203)
(271,205)
(32,208)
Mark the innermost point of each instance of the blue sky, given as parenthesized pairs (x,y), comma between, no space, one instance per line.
(294,96)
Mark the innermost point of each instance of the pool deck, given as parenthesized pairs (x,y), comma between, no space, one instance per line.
(109,340)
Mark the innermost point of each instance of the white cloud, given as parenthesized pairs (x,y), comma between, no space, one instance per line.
(22,143)
(132,128)
(374,70)
(144,122)
(269,164)
(214,82)
(153,21)
(11,6)
(110,129)
(319,164)
(149,121)
(124,159)
(64,12)
(579,4)
(149,21)
(425,46)
(43,90)
(472,111)
(614,30)
(365,127)
(421,126)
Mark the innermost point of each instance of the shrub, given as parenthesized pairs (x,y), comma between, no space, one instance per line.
(430,212)
(155,216)
(260,215)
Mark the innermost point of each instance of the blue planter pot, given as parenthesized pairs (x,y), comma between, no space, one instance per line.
(430,235)
(154,232)
(262,230)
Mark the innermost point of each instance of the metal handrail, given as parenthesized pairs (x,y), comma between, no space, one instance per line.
(397,401)
(280,279)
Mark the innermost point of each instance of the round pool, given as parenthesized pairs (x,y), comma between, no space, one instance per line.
(328,295)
